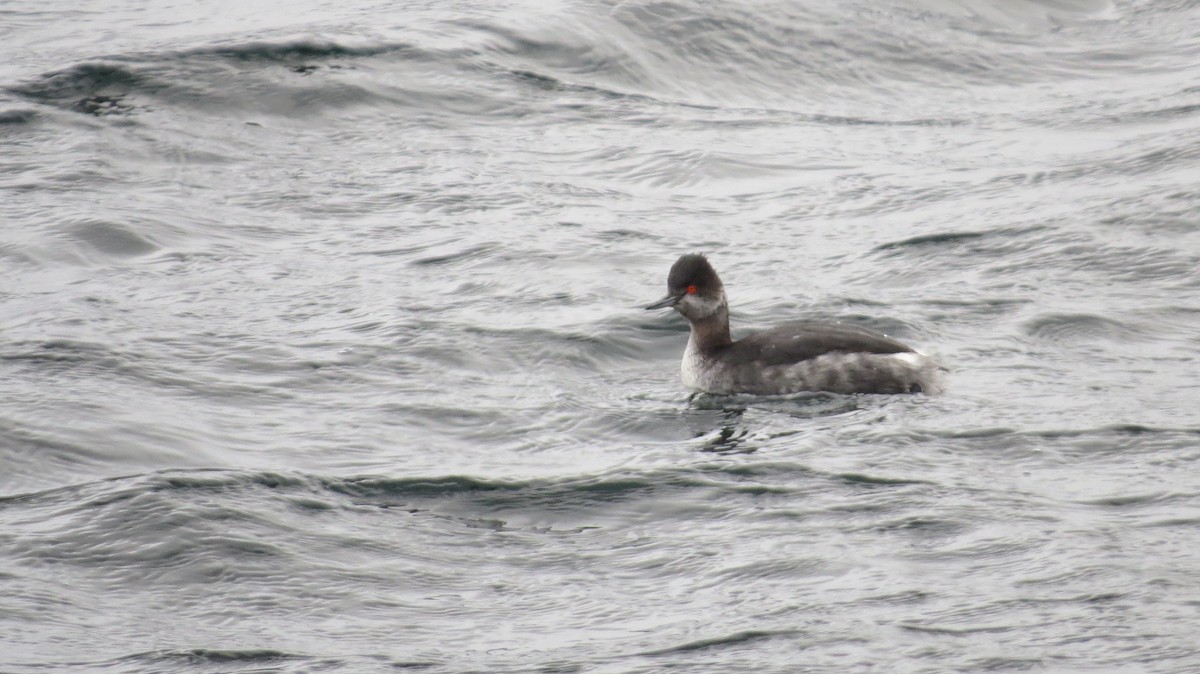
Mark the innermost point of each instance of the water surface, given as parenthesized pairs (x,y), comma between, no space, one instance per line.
(323,351)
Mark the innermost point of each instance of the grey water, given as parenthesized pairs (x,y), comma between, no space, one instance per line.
(322,350)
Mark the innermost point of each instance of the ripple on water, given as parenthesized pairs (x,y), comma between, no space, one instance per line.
(1075,328)
(111,239)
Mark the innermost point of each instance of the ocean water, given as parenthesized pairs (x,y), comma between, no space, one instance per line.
(322,349)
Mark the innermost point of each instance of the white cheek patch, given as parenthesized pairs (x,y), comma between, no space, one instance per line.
(699,307)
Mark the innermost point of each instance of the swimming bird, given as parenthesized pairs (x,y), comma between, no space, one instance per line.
(794,357)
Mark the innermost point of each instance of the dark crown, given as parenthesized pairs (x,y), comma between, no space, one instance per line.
(693,269)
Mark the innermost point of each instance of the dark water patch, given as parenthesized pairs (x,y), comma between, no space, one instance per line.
(957,631)
(624,235)
(432,487)
(767,476)
(726,641)
(97,87)
(1136,500)
(204,656)
(989,305)
(17,116)
(926,528)
(467,254)
(1007,664)
(900,598)
(1116,438)
(967,246)
(862,479)
(111,238)
(205,76)
(842,120)
(390,252)
(1172,522)
(1117,429)
(300,51)
(221,660)
(937,239)
(1171,112)
(492,495)
(605,96)
(198,481)
(801,405)
(316,494)
(544,82)
(60,351)
(220,480)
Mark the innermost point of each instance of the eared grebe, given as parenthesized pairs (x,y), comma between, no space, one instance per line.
(800,356)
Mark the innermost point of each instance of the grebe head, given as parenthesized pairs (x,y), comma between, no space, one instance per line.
(693,289)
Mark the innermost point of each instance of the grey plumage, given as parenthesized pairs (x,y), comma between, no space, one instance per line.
(797,356)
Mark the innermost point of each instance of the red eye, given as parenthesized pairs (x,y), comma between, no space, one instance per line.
(691,290)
